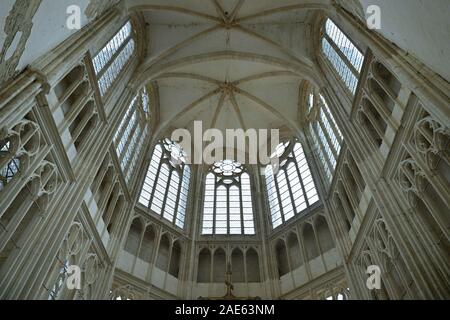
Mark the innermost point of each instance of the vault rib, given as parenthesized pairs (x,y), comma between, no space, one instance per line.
(219,9)
(149,7)
(263,75)
(305,6)
(300,69)
(185,43)
(187,75)
(217,111)
(294,126)
(236,10)
(291,54)
(186,109)
(237,110)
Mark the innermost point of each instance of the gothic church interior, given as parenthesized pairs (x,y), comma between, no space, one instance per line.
(92,178)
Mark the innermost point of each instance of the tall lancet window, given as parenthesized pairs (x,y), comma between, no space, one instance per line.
(132,132)
(166,185)
(345,58)
(113,57)
(290,188)
(228,207)
(326,137)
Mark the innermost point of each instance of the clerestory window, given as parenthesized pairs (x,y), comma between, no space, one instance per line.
(113,57)
(344,57)
(290,185)
(132,133)
(228,206)
(326,136)
(166,186)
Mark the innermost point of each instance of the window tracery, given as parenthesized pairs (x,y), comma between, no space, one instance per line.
(291,190)
(228,207)
(166,186)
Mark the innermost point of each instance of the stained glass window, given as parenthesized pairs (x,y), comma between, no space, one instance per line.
(166,186)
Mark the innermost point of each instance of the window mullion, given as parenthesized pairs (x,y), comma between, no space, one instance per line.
(134,151)
(288,181)
(327,137)
(214,206)
(114,57)
(301,180)
(317,153)
(169,180)
(322,147)
(228,209)
(177,202)
(241,202)
(342,56)
(333,124)
(155,184)
(277,190)
(129,139)
(122,129)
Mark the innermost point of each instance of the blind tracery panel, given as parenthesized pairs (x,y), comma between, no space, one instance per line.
(11,165)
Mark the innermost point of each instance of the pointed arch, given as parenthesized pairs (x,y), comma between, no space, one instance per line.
(309,240)
(134,236)
(175,259)
(162,261)
(219,266)
(204,266)
(294,251)
(227,202)
(148,244)
(323,233)
(237,266)
(252,266)
(166,186)
(291,191)
(282,258)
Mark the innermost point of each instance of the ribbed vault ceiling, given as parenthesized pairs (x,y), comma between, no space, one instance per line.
(229,63)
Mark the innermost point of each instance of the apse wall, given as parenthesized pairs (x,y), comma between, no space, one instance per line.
(154,255)
(301,253)
(304,252)
(243,261)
